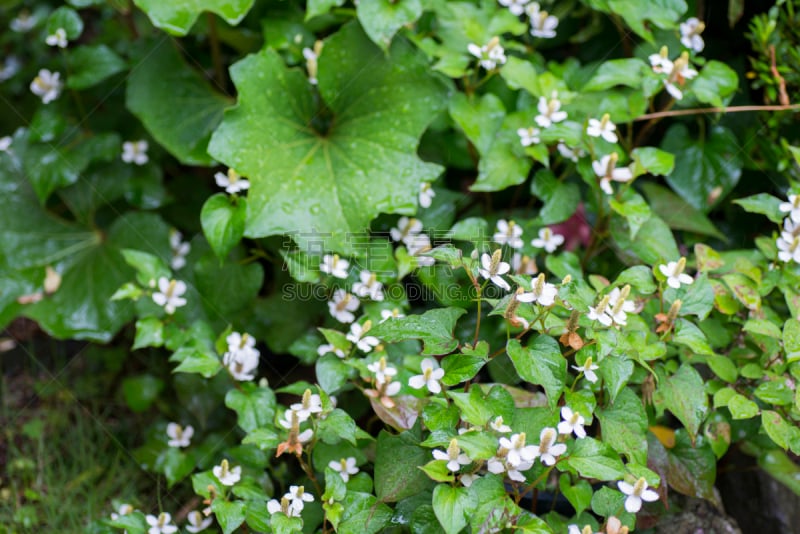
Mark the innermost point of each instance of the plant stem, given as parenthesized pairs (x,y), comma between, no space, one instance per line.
(728,109)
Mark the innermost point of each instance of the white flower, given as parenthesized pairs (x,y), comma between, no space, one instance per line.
(498,426)
(23,23)
(169,294)
(311,64)
(543,293)
(467,479)
(542,23)
(674,273)
(587,529)
(606,169)
(228,476)
(426,194)
(588,369)
(636,494)
(493,268)
(600,313)
(239,342)
(547,449)
(124,509)
(528,136)
(571,154)
(523,264)
(406,229)
(345,467)
(690,34)
(311,404)
(499,465)
(792,207)
(197,522)
(431,374)
(390,314)
(490,55)
(298,497)
(232,182)
(161,524)
(516,7)
(180,249)
(619,306)
(333,265)
(135,152)
(516,451)
(788,243)
(179,436)
(242,364)
(603,127)
(9,68)
(548,240)
(508,233)
(47,85)
(325,349)
(661,62)
(419,244)
(368,286)
(383,372)
(284,507)
(549,111)
(59,38)
(343,305)
(289,417)
(453,456)
(358,336)
(5,143)
(572,422)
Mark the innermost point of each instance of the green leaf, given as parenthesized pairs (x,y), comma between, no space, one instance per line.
(521,74)
(579,495)
(741,407)
(504,164)
(363,514)
(66,18)
(141,391)
(320,7)
(175,464)
(223,218)
(178,16)
(617,72)
(677,213)
(196,360)
(723,367)
(462,367)
(634,209)
(227,288)
(149,267)
(663,13)
(434,328)
(783,433)
(595,459)
(653,161)
(654,242)
(540,363)
(684,395)
(624,425)
(616,370)
(230,515)
(690,467)
(437,471)
(715,84)
(149,333)
(90,65)
(254,405)
(479,118)
(764,204)
(708,169)
(331,178)
(639,277)
(744,289)
(781,468)
(396,461)
(791,339)
(175,103)
(472,229)
(560,199)
(451,506)
(381,19)
(332,373)
(689,334)
(337,426)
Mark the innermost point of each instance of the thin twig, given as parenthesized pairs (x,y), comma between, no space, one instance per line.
(701,111)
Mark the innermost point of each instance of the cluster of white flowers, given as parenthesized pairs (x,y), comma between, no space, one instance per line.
(242,356)
(384,387)
(232,182)
(489,55)
(690,34)
(613,308)
(169,294)
(453,456)
(342,305)
(606,169)
(135,152)
(514,455)
(335,266)
(549,113)
(368,286)
(675,72)
(543,24)
(430,377)
(542,292)
(508,233)
(409,232)
(788,242)
(162,523)
(292,502)
(180,249)
(358,335)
